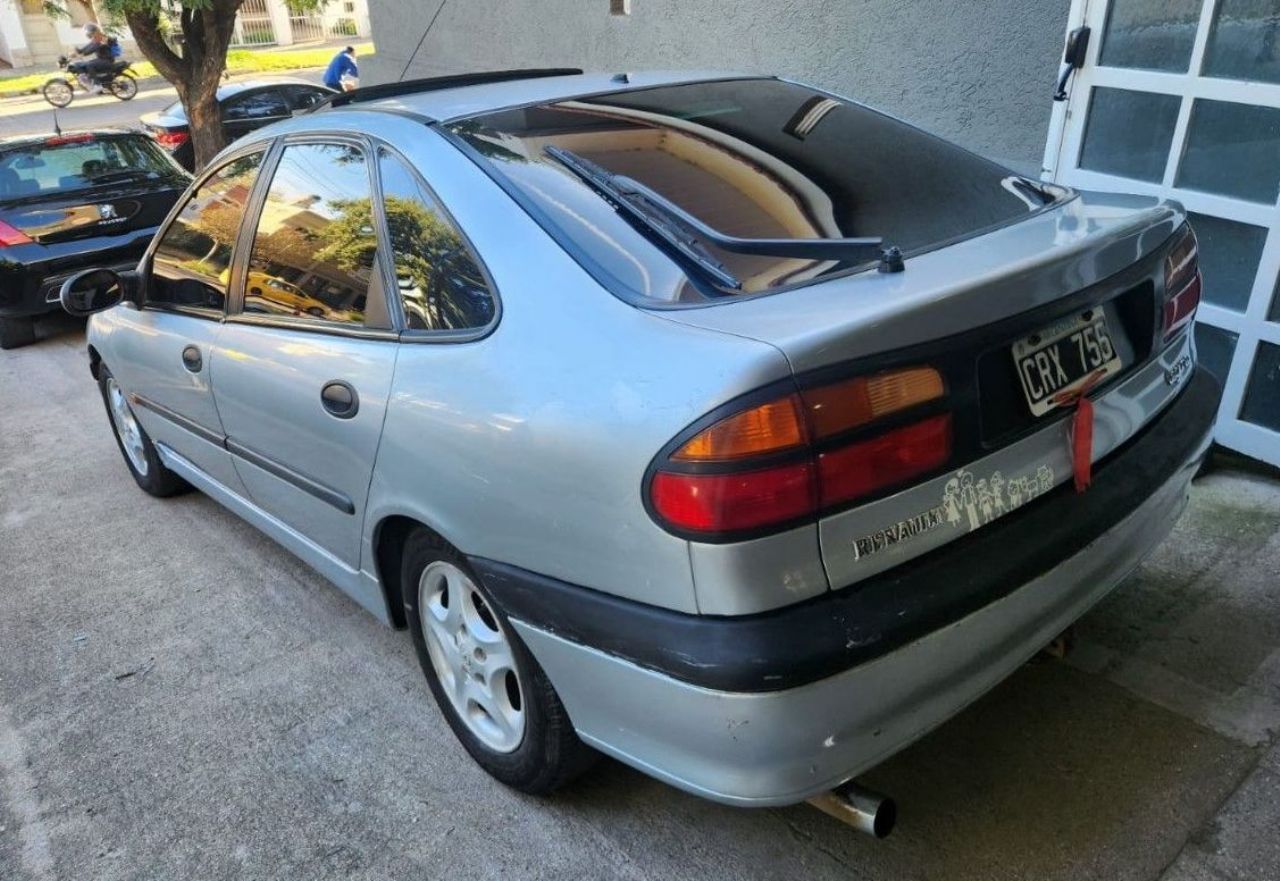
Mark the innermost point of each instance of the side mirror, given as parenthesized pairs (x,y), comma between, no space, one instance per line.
(97,289)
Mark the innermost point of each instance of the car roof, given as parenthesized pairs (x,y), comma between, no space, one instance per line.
(455,102)
(230,89)
(25,140)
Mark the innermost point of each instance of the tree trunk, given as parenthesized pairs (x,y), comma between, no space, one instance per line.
(196,73)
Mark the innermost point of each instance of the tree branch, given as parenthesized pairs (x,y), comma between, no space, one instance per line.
(145,25)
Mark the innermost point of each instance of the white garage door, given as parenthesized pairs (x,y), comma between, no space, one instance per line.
(1181,98)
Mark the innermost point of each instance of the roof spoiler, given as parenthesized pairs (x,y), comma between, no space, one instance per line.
(436,83)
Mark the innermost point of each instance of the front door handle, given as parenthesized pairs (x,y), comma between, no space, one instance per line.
(340,399)
(191,359)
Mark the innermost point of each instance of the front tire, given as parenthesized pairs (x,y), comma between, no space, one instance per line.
(58,92)
(17,332)
(492,692)
(139,452)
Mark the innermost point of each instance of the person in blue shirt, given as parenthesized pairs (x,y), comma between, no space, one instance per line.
(343,64)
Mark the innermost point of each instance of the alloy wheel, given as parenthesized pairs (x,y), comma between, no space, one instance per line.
(472,656)
(127,427)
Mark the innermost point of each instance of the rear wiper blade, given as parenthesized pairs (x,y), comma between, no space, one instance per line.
(671,233)
(632,192)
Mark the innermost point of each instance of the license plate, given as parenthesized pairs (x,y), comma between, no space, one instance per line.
(1058,361)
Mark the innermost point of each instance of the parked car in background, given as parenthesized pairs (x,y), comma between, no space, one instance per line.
(74,200)
(717,423)
(246,106)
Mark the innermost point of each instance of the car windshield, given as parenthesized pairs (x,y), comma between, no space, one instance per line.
(747,158)
(80,162)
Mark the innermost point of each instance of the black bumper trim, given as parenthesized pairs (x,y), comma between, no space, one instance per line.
(841,629)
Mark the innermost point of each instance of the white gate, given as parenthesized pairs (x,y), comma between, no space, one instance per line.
(1181,98)
(253,25)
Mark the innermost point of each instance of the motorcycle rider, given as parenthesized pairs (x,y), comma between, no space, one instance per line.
(102,49)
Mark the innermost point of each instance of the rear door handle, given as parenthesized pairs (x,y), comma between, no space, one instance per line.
(191,359)
(340,399)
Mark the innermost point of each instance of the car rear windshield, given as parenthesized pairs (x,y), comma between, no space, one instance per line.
(74,162)
(750,158)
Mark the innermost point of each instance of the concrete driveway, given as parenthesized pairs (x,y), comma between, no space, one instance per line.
(181,699)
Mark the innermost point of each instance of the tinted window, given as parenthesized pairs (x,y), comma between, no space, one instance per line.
(314,249)
(192,263)
(756,158)
(302,97)
(258,105)
(441,285)
(79,162)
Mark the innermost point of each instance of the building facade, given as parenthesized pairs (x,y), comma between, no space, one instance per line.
(1176,98)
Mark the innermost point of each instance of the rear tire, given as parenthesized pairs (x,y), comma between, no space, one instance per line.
(17,332)
(517,730)
(123,87)
(58,92)
(140,455)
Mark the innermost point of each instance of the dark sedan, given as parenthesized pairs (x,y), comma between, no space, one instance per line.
(71,201)
(245,106)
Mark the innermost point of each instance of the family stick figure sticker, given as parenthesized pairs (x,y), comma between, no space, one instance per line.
(967,503)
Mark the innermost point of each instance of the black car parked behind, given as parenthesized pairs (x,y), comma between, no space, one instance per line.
(73,201)
(245,106)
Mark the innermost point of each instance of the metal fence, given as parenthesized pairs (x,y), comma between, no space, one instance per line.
(253,25)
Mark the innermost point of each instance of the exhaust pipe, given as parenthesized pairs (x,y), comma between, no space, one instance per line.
(860,808)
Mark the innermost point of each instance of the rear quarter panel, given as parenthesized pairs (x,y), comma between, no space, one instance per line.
(529,446)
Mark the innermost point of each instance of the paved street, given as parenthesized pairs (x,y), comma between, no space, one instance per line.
(31,114)
(181,699)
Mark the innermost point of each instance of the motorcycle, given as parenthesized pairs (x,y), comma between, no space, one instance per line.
(118,81)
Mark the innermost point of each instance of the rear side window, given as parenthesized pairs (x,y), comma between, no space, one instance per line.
(192,263)
(751,158)
(440,283)
(315,246)
(79,162)
(259,105)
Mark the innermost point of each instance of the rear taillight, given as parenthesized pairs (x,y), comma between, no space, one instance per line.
(794,456)
(172,140)
(1182,284)
(11,236)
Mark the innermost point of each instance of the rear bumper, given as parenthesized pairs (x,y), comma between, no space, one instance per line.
(704,718)
(32,288)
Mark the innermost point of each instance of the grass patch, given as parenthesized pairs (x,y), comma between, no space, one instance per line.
(239,61)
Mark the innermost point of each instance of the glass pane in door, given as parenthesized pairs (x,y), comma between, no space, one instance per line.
(1232,150)
(1262,396)
(1113,144)
(1214,348)
(1229,254)
(1244,41)
(1150,34)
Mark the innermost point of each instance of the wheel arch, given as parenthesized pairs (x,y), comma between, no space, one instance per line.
(388,540)
(95,362)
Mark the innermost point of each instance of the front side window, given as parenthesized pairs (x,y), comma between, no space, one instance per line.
(441,286)
(192,263)
(315,247)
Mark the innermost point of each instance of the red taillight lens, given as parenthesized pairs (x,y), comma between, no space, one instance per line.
(79,138)
(731,502)
(11,236)
(782,461)
(1182,284)
(895,456)
(172,140)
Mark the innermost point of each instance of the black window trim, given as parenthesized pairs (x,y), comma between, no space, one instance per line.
(146,264)
(605,279)
(235,313)
(422,335)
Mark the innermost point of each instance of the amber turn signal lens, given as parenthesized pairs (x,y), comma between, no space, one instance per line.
(768,428)
(837,408)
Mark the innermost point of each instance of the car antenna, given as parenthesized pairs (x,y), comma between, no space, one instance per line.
(57,129)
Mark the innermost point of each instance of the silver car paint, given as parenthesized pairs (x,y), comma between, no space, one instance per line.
(782,747)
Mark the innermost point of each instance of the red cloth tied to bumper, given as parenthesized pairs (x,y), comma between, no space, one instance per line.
(1081,435)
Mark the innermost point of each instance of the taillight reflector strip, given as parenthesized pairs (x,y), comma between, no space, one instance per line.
(863,468)
(739,501)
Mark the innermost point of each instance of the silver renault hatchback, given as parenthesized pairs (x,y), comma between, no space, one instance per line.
(713,422)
